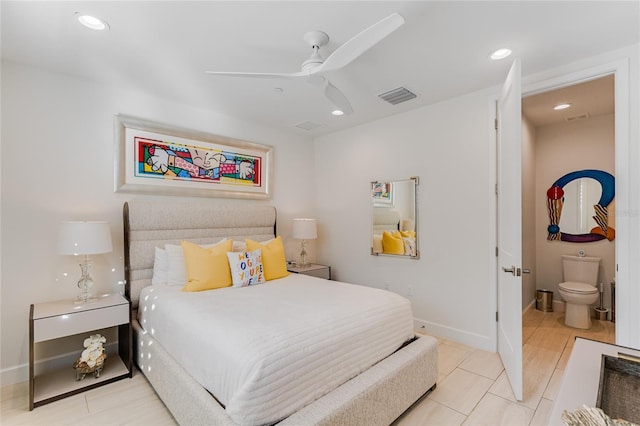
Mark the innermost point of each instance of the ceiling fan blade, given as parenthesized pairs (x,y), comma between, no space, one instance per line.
(337,98)
(361,42)
(287,76)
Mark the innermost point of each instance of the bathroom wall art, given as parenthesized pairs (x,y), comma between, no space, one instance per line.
(580,207)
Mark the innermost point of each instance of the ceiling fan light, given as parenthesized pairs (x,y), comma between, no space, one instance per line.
(500,54)
(93,23)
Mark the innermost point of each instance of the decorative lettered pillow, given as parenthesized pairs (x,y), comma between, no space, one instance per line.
(246,268)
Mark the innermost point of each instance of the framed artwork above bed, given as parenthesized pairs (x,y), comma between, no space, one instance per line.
(155,158)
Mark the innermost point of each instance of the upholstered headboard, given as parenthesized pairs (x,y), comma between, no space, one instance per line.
(151,224)
(385,220)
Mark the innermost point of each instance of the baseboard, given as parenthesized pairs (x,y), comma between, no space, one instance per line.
(559,306)
(530,306)
(13,375)
(474,340)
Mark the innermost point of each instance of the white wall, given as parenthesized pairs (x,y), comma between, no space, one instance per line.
(560,149)
(448,146)
(57,164)
(528,212)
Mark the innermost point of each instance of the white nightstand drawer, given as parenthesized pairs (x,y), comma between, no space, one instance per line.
(320,273)
(79,322)
(313,269)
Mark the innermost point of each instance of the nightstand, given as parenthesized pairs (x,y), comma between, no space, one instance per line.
(63,318)
(314,269)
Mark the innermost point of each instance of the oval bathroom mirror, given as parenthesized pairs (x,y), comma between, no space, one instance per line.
(394,218)
(580,195)
(580,207)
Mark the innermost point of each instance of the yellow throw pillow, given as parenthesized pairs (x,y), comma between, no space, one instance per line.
(207,268)
(392,243)
(273,259)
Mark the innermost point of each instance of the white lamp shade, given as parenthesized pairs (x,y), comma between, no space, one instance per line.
(304,229)
(84,238)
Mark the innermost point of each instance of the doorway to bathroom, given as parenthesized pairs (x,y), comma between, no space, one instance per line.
(627,315)
(567,130)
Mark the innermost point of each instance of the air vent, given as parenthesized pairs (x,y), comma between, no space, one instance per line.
(583,116)
(308,125)
(396,96)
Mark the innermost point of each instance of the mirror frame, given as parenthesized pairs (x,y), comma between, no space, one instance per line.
(388,201)
(555,200)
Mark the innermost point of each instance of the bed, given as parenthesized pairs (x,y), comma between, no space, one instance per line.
(372,389)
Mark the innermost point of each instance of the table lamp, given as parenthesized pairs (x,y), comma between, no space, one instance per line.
(304,229)
(84,239)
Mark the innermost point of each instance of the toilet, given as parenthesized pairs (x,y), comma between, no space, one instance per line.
(579,290)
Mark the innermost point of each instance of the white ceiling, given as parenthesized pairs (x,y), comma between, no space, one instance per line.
(164,47)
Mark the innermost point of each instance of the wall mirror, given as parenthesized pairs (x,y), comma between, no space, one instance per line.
(580,207)
(394,230)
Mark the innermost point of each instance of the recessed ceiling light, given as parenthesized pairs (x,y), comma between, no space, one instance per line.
(337,112)
(500,54)
(562,106)
(92,22)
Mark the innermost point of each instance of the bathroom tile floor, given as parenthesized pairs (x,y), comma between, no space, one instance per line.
(472,387)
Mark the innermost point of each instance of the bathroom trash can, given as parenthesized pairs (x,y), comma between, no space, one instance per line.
(544,300)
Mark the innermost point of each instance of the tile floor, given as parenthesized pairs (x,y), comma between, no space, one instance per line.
(472,387)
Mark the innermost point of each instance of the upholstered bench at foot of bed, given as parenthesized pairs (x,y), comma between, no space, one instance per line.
(376,397)
(379,395)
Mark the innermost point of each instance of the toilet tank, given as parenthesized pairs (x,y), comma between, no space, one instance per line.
(580,269)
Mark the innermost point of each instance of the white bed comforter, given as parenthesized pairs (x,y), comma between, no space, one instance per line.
(265,351)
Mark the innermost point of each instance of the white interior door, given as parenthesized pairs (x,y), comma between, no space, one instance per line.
(509,229)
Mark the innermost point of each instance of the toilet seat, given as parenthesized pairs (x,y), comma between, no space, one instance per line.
(577,288)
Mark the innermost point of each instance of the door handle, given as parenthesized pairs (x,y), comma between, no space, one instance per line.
(516,272)
(511,270)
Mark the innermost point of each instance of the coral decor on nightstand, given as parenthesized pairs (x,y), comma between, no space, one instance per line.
(92,359)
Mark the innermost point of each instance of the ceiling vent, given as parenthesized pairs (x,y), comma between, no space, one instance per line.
(397,96)
(308,125)
(578,117)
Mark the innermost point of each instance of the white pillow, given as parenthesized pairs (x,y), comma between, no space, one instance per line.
(246,268)
(160,267)
(239,246)
(177,271)
(377,243)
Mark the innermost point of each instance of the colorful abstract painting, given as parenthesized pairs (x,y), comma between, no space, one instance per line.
(381,192)
(159,159)
(154,158)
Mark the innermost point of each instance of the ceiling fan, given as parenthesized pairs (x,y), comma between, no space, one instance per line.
(313,69)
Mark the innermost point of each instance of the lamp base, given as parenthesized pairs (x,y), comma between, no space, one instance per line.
(85,283)
(303,256)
